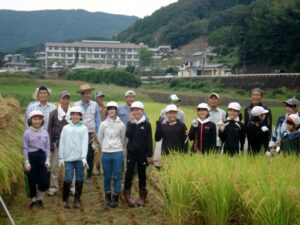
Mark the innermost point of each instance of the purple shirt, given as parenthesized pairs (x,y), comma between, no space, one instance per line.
(35,140)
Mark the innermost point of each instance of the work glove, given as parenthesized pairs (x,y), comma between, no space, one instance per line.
(85,164)
(27,165)
(277,149)
(264,128)
(47,163)
(61,163)
(195,123)
(221,125)
(271,144)
(268,154)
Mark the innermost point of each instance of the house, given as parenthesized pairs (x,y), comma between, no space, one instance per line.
(16,66)
(189,69)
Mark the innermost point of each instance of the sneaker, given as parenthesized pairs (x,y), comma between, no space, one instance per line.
(40,203)
(32,204)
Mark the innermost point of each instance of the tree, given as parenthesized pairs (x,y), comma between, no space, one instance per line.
(145,57)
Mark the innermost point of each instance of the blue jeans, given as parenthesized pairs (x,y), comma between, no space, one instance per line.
(112,164)
(70,167)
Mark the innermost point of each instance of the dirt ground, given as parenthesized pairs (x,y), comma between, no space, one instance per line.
(92,211)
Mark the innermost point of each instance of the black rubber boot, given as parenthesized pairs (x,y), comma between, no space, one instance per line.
(66,194)
(143,196)
(115,200)
(78,191)
(127,196)
(107,198)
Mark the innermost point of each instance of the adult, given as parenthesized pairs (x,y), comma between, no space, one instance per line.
(100,101)
(41,105)
(173,100)
(216,114)
(91,118)
(57,120)
(256,100)
(291,107)
(124,110)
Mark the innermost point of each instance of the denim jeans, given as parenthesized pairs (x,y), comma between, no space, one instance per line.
(112,164)
(70,167)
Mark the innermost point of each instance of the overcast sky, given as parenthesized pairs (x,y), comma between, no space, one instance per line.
(138,8)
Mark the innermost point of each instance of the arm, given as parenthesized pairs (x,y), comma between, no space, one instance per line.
(50,130)
(242,136)
(185,138)
(246,114)
(269,122)
(97,119)
(123,135)
(130,129)
(61,145)
(159,131)
(25,146)
(223,135)
(47,145)
(101,134)
(149,141)
(84,142)
(192,133)
(213,136)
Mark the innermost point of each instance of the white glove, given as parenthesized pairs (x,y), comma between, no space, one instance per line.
(61,163)
(47,163)
(264,128)
(271,144)
(277,149)
(27,165)
(85,164)
(268,154)
(195,123)
(221,125)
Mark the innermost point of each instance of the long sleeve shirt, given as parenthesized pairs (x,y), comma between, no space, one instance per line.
(34,140)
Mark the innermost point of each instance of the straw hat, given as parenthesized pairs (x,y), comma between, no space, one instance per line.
(85,87)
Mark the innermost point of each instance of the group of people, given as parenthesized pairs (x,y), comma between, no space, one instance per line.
(71,136)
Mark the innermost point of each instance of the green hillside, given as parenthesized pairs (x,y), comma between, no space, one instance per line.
(22,29)
(243,31)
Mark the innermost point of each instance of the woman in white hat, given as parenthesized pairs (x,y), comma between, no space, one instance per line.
(36,151)
(173,133)
(111,137)
(257,130)
(232,132)
(203,131)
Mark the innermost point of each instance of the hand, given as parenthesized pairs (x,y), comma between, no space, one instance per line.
(61,163)
(85,164)
(268,154)
(264,128)
(271,144)
(131,118)
(27,165)
(221,125)
(47,163)
(149,160)
(277,149)
(195,123)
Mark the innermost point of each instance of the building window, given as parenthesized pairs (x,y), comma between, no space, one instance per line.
(122,49)
(129,57)
(63,48)
(62,54)
(56,48)
(96,55)
(50,47)
(70,55)
(103,49)
(109,50)
(70,48)
(129,50)
(82,49)
(90,49)
(56,54)
(96,49)
(49,54)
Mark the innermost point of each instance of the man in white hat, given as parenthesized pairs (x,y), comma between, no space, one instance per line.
(216,114)
(91,118)
(42,105)
(124,110)
(100,101)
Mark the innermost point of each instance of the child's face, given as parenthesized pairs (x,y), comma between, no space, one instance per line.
(36,121)
(75,117)
(112,112)
(202,113)
(262,117)
(233,114)
(137,113)
(172,116)
(291,127)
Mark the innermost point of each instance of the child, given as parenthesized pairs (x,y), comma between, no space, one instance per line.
(257,130)
(290,141)
(73,147)
(139,152)
(36,152)
(111,137)
(173,132)
(203,131)
(232,133)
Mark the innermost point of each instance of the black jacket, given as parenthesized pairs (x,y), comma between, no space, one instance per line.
(174,136)
(139,138)
(256,137)
(204,137)
(233,137)
(249,118)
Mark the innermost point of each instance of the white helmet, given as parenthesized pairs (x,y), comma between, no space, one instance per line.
(170,108)
(129,92)
(76,109)
(203,106)
(258,110)
(112,104)
(234,105)
(137,104)
(294,118)
(36,113)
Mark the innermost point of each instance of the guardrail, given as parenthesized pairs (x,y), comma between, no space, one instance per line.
(221,76)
